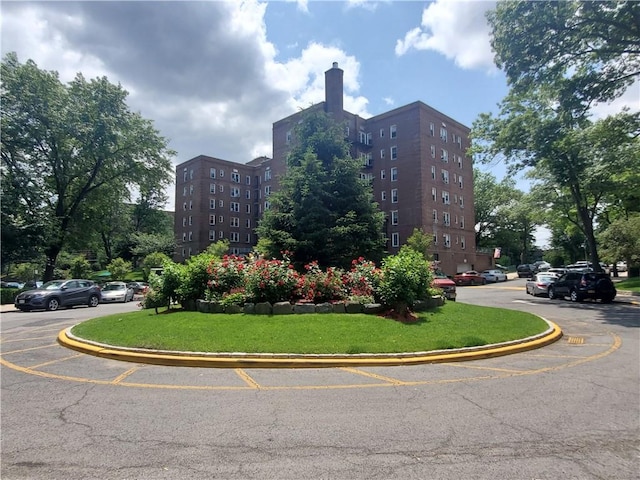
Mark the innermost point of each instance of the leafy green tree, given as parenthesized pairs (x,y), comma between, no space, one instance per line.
(420,242)
(561,58)
(119,268)
(588,51)
(322,211)
(621,241)
(153,260)
(65,146)
(80,267)
(490,198)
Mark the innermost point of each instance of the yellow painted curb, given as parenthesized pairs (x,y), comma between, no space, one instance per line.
(253,360)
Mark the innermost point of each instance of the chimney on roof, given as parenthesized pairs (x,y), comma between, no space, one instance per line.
(333,92)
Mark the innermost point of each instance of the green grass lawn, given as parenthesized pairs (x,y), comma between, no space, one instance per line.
(454,325)
(630,284)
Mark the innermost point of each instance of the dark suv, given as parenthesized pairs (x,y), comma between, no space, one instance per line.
(581,285)
(525,270)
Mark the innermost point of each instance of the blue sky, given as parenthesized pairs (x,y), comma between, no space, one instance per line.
(215,75)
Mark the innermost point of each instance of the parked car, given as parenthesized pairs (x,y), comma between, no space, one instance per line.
(621,266)
(469,278)
(525,270)
(557,271)
(116,292)
(445,284)
(539,284)
(579,285)
(139,287)
(59,293)
(494,276)
(541,266)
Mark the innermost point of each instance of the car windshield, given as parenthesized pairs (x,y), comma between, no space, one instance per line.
(113,287)
(53,285)
(543,278)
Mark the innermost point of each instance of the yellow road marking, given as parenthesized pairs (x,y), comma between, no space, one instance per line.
(29,349)
(247,378)
(505,370)
(55,361)
(124,375)
(384,378)
(24,339)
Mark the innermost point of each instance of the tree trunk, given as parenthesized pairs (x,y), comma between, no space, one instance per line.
(52,256)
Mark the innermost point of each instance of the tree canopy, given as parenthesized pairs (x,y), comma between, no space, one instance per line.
(69,153)
(322,211)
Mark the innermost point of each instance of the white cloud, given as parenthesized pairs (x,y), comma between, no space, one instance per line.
(456,29)
(204,72)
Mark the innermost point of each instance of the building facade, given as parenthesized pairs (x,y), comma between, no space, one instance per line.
(414,157)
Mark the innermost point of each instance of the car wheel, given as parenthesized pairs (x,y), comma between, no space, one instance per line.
(552,293)
(607,299)
(484,281)
(94,301)
(53,304)
(575,296)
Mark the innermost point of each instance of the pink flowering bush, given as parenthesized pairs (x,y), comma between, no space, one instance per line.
(362,281)
(226,274)
(317,286)
(270,280)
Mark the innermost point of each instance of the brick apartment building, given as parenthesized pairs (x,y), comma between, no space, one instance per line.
(413,155)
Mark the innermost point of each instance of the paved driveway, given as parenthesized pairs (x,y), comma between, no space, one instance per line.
(570,410)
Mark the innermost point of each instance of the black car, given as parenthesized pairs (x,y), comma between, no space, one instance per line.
(580,285)
(59,293)
(525,270)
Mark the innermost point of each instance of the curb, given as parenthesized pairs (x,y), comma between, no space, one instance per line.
(272,360)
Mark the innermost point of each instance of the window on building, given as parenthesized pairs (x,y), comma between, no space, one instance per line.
(463,243)
(460,181)
(393,131)
(247,194)
(267,174)
(247,180)
(235,222)
(221,188)
(247,222)
(212,204)
(444,156)
(445,176)
(394,174)
(383,195)
(234,237)
(435,240)
(443,134)
(433,172)
(432,129)
(212,172)
(235,177)
(267,205)
(190,236)
(212,219)
(459,161)
(394,195)
(212,188)
(461,222)
(394,217)
(235,192)
(234,206)
(446,240)
(190,189)
(383,174)
(184,176)
(267,190)
(184,221)
(190,220)
(191,174)
(434,193)
(248,208)
(221,203)
(435,216)
(433,151)
(382,133)
(190,204)
(395,239)
(461,202)
(221,219)
(184,206)
(247,238)
(288,137)
(184,191)
(445,198)
(221,173)
(446,218)
(394,152)
(184,236)
(212,235)
(382,153)
(220,234)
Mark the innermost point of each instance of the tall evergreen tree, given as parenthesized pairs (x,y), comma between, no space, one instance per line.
(323,211)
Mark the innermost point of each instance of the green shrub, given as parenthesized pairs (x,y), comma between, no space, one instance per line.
(8,295)
(119,268)
(406,278)
(153,260)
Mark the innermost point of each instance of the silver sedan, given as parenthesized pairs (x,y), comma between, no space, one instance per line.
(116,292)
(539,284)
